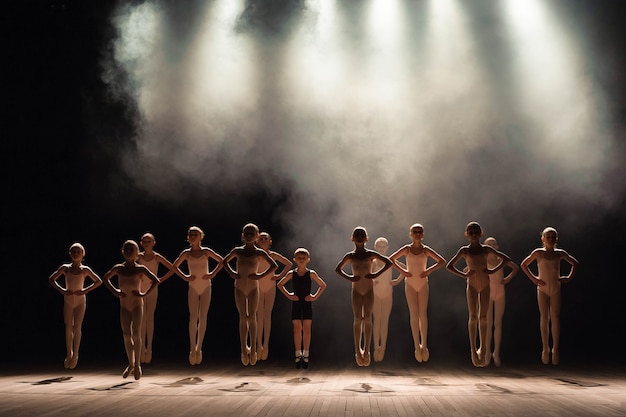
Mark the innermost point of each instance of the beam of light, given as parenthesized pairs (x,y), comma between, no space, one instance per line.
(552,90)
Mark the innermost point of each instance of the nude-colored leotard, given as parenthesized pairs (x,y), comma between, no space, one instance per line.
(416,264)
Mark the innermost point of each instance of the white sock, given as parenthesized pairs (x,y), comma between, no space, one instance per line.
(305,353)
(298,353)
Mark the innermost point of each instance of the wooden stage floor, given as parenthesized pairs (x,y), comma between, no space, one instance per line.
(275,389)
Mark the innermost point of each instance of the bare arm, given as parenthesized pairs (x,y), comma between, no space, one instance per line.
(451,265)
(321,287)
(175,267)
(573,262)
(399,266)
(226,263)
(287,264)
(504,259)
(440,262)
(171,270)
(281,286)
(154,280)
(96,280)
(216,257)
(387,264)
(55,276)
(270,270)
(514,270)
(525,267)
(106,279)
(339,268)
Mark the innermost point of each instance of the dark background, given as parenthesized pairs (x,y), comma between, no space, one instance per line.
(62,183)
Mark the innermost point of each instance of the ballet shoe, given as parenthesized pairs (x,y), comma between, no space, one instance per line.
(358,357)
(377,351)
(198,357)
(192,357)
(425,354)
(475,359)
(147,356)
(418,355)
(253,358)
(366,359)
(127,371)
(137,372)
(73,362)
(245,359)
(487,359)
(496,359)
(382,354)
(66,363)
(555,357)
(305,362)
(545,357)
(298,362)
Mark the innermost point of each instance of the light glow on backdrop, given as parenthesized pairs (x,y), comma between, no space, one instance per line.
(374,113)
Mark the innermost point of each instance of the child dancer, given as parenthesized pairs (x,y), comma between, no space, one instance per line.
(416,290)
(383,300)
(74,299)
(477,276)
(267,293)
(152,260)
(301,310)
(548,282)
(360,259)
(199,293)
(129,292)
(497,302)
(246,278)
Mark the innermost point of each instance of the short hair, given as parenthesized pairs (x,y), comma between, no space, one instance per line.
(301,250)
(196,229)
(548,230)
(132,243)
(473,225)
(359,229)
(148,234)
(77,245)
(251,226)
(381,240)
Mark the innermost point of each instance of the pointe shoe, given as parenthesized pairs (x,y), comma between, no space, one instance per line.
(137,372)
(475,360)
(496,359)
(198,357)
(66,363)
(555,357)
(128,371)
(382,354)
(545,357)
(253,358)
(425,354)
(358,357)
(192,357)
(487,359)
(147,356)
(305,362)
(245,359)
(298,362)
(366,359)
(418,355)
(73,362)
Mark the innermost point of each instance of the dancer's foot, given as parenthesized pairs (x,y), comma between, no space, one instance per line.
(198,357)
(128,371)
(475,359)
(298,362)
(305,362)
(73,362)
(487,359)
(545,357)
(555,357)
(147,356)
(253,358)
(425,354)
(382,354)
(137,372)
(359,358)
(496,359)
(245,359)
(418,355)
(66,362)
(192,357)
(263,353)
(366,359)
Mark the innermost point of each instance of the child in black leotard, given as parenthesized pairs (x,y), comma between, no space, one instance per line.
(301,311)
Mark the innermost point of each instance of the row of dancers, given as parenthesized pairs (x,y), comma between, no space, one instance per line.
(257,271)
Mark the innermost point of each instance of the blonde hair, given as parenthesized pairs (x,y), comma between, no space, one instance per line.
(301,250)
(77,245)
(196,229)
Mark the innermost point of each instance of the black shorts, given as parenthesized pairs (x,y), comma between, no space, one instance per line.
(302,310)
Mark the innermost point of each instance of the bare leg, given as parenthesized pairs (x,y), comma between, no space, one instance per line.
(264,320)
(412,302)
(126,317)
(137,317)
(193,300)
(555,319)
(422,309)
(483,308)
(544,322)
(147,325)
(203,311)
(297,335)
(242,304)
(357,328)
(472,308)
(498,313)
